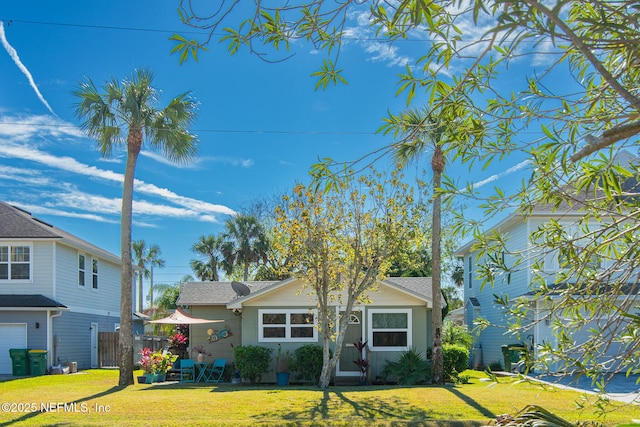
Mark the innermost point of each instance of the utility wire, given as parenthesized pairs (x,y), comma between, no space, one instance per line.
(250,131)
(156,30)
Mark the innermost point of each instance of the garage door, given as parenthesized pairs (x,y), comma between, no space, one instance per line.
(14,335)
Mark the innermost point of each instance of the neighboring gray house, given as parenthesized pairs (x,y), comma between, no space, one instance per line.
(56,291)
(398,318)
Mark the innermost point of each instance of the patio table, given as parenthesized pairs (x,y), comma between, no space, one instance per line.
(201,371)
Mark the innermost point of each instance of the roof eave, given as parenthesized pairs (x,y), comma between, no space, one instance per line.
(237,303)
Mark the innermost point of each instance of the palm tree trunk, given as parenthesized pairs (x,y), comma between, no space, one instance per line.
(437,371)
(151,287)
(125,343)
(140,296)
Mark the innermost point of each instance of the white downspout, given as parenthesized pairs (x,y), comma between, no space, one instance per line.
(50,317)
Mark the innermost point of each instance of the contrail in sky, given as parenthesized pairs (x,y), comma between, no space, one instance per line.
(497,176)
(14,55)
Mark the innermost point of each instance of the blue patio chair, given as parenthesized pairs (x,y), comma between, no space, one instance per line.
(214,373)
(187,371)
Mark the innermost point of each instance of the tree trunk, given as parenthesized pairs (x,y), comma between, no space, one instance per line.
(151,287)
(125,344)
(437,362)
(140,296)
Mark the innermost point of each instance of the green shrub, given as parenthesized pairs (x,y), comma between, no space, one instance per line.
(454,334)
(307,362)
(410,368)
(456,360)
(495,366)
(252,361)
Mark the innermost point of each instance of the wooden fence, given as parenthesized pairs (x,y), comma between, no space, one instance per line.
(108,347)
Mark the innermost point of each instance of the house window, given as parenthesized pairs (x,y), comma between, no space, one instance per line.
(15,262)
(81,270)
(94,271)
(389,329)
(470,271)
(287,325)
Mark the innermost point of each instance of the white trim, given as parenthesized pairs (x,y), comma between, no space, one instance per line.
(239,302)
(94,311)
(83,269)
(371,330)
(94,345)
(360,308)
(287,326)
(9,245)
(95,274)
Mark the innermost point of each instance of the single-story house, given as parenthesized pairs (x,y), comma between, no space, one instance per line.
(268,313)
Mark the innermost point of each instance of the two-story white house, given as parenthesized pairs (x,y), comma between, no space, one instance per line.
(57,291)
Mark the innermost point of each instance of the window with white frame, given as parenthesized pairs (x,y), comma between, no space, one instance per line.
(15,262)
(94,273)
(81,270)
(470,271)
(389,329)
(295,325)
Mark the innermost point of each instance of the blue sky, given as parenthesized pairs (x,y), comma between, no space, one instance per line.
(261,125)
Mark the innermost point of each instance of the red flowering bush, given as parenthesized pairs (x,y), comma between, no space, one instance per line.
(178,341)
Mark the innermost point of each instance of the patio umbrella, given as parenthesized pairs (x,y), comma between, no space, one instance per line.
(179,317)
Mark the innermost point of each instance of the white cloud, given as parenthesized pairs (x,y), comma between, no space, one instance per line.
(27,128)
(20,134)
(198,163)
(497,176)
(364,36)
(16,59)
(39,209)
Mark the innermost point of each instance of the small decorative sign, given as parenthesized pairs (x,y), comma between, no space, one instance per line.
(215,335)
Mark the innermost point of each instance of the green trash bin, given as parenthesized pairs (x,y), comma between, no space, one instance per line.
(38,362)
(20,364)
(513,354)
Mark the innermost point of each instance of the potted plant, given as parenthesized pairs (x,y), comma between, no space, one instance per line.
(149,363)
(177,344)
(283,360)
(166,362)
(201,352)
(363,364)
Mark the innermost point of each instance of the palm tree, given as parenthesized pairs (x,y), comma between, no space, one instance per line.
(421,131)
(125,114)
(458,275)
(211,247)
(146,259)
(247,243)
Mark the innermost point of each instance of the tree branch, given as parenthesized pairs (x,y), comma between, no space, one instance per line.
(608,137)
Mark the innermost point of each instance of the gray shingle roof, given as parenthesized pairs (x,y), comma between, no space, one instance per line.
(214,293)
(418,285)
(221,293)
(16,223)
(20,301)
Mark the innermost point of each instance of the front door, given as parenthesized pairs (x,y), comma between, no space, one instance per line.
(94,345)
(355,331)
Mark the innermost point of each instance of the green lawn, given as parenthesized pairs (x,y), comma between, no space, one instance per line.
(91,398)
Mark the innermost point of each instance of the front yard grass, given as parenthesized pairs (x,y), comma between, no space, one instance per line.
(91,398)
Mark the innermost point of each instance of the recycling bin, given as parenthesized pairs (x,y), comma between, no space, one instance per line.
(38,362)
(19,362)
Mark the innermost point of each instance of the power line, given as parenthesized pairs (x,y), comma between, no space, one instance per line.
(202,32)
(249,131)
